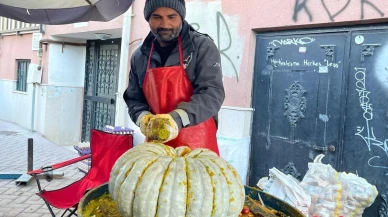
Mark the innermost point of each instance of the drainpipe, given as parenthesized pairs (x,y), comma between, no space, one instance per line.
(40,53)
(33,108)
(121,108)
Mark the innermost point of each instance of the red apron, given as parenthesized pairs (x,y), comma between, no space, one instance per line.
(164,88)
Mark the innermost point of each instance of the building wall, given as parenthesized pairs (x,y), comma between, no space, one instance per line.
(59,98)
(233,25)
(15,106)
(64,94)
(63,81)
(15,47)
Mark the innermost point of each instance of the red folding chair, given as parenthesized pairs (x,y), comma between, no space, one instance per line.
(106,148)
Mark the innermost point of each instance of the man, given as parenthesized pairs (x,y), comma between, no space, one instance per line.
(175,77)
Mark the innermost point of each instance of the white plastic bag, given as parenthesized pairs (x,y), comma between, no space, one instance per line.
(336,194)
(360,194)
(286,188)
(322,183)
(236,152)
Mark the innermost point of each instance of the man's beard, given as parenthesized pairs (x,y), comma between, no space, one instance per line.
(169,36)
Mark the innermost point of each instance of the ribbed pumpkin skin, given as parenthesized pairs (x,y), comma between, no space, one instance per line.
(157,180)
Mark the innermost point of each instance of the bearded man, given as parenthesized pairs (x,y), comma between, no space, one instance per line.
(176,77)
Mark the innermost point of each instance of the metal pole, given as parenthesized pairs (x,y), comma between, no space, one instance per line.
(30,154)
(121,112)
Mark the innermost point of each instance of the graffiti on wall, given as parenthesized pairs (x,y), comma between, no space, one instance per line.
(223,29)
(292,41)
(332,11)
(378,147)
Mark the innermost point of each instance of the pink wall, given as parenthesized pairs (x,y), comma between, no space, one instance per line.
(262,15)
(13,48)
(247,17)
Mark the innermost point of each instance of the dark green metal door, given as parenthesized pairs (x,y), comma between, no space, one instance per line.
(297,92)
(102,70)
(323,91)
(366,136)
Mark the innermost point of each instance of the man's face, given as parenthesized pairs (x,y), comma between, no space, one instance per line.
(165,24)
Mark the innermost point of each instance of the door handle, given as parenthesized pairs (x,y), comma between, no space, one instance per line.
(324,148)
(320,148)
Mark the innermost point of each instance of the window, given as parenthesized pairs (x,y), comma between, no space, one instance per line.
(22,69)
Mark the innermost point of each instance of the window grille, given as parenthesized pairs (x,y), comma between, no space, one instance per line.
(22,69)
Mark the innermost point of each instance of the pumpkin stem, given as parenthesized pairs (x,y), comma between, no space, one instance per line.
(182,151)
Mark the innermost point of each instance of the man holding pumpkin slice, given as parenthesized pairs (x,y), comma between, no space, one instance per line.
(175,85)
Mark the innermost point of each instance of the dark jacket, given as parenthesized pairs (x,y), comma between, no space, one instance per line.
(203,67)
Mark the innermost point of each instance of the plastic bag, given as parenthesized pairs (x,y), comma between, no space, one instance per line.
(323,184)
(236,152)
(336,194)
(360,194)
(286,188)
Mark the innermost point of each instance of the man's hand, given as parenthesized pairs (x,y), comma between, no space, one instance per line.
(144,123)
(161,128)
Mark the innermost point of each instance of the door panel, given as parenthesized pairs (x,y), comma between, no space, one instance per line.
(366,134)
(297,102)
(325,93)
(101,78)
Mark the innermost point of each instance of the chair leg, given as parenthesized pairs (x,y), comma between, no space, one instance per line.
(72,212)
(50,209)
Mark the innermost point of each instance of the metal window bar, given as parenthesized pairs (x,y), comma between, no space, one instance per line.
(22,70)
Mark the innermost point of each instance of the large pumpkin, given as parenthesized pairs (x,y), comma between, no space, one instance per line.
(157,180)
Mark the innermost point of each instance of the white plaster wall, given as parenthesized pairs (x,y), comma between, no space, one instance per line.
(15,106)
(63,115)
(138,137)
(40,108)
(233,136)
(223,29)
(234,122)
(64,94)
(67,68)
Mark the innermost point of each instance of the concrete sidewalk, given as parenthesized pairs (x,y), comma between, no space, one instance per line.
(21,201)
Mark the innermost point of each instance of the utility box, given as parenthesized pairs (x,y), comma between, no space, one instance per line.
(34,74)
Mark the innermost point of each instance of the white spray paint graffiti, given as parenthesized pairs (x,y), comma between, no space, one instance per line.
(381,67)
(367,133)
(293,41)
(207,17)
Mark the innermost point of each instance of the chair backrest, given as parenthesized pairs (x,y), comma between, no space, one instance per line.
(106,149)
